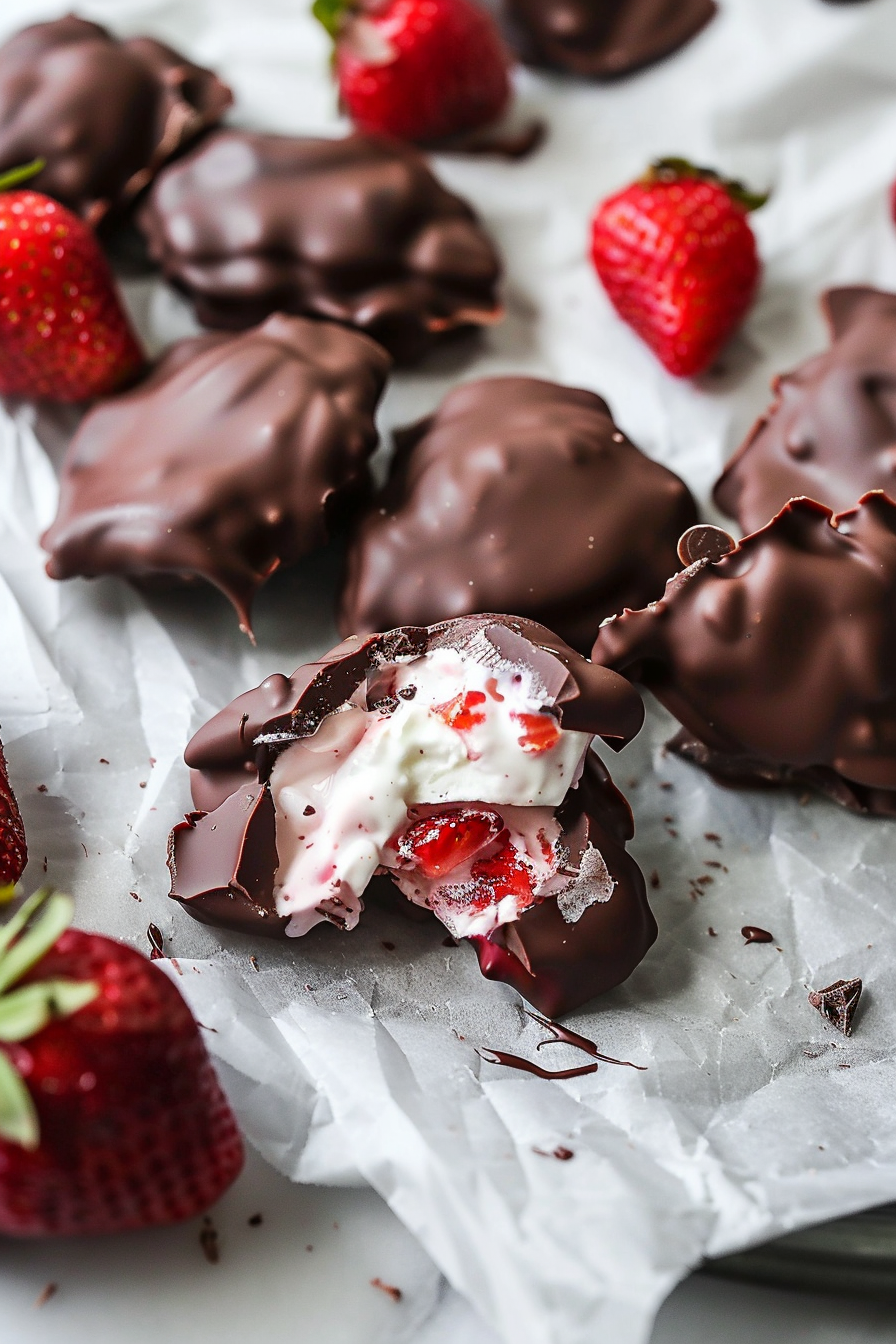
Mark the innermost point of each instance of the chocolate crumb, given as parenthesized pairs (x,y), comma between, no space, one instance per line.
(256,1220)
(176,964)
(143,783)
(752,934)
(655,879)
(309,811)
(154,934)
(103,761)
(704,880)
(208,1240)
(388,1288)
(712,933)
(41,788)
(562,1154)
(43,1297)
(669,831)
(135,896)
(84,847)
(253,961)
(309,1248)
(713,838)
(668,820)
(666,784)
(712,863)
(838,1003)
(390,947)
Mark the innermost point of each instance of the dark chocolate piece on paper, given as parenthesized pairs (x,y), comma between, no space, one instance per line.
(780,659)
(830,432)
(238,454)
(356,230)
(751,933)
(603,39)
(593,924)
(104,114)
(516,495)
(838,1003)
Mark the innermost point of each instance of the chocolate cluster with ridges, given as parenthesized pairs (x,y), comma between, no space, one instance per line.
(237,455)
(830,433)
(516,495)
(780,658)
(603,39)
(590,924)
(103,114)
(356,230)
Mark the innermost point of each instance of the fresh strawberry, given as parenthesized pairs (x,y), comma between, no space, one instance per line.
(422,70)
(463,712)
(13,850)
(540,732)
(111,1116)
(63,333)
(677,256)
(441,843)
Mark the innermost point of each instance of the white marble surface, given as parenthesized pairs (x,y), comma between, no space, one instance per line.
(304,1277)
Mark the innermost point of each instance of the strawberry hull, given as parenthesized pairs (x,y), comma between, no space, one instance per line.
(135,1130)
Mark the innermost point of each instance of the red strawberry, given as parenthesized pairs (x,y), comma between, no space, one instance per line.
(13,851)
(111,1116)
(63,333)
(677,256)
(420,70)
(441,843)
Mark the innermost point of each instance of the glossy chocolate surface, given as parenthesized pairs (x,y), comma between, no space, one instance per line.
(780,658)
(223,858)
(517,495)
(356,230)
(235,456)
(830,432)
(602,39)
(104,114)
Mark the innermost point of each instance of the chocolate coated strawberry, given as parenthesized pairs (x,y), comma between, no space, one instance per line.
(677,257)
(111,1116)
(421,70)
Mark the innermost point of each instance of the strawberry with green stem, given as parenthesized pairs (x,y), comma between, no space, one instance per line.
(64,335)
(421,70)
(678,259)
(111,1116)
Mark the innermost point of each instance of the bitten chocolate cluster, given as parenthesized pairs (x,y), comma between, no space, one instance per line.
(780,658)
(516,495)
(453,759)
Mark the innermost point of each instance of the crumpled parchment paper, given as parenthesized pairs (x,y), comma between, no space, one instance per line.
(352,1058)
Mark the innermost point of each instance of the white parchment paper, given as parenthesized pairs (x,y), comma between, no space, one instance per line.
(352,1058)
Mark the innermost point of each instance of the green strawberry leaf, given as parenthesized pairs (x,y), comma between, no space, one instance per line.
(673,169)
(28,1010)
(15,176)
(26,948)
(7,893)
(18,1116)
(331,15)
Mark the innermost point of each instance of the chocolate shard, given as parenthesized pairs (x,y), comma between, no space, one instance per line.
(830,432)
(103,114)
(780,658)
(603,39)
(357,231)
(238,454)
(516,495)
(838,1003)
(577,930)
(704,542)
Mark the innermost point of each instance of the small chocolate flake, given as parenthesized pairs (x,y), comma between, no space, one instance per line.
(154,934)
(143,783)
(208,1240)
(84,847)
(103,761)
(256,1220)
(408,692)
(135,896)
(41,788)
(309,1248)
(711,931)
(668,820)
(704,542)
(838,1003)
(388,1288)
(253,961)
(712,863)
(48,1291)
(667,785)
(713,838)
(390,947)
(562,1154)
(704,880)
(655,879)
(753,934)
(309,811)
(670,831)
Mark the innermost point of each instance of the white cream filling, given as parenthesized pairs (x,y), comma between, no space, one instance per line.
(342,794)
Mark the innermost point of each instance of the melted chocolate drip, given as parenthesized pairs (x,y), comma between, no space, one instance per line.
(104,115)
(830,432)
(526,1065)
(752,934)
(603,39)
(564,1036)
(357,231)
(516,495)
(234,457)
(780,659)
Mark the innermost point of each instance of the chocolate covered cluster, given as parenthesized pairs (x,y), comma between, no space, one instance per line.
(536,875)
(516,495)
(238,454)
(780,658)
(103,114)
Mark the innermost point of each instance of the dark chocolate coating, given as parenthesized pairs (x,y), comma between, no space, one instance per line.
(356,230)
(223,858)
(104,114)
(517,495)
(232,458)
(780,659)
(602,39)
(830,432)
